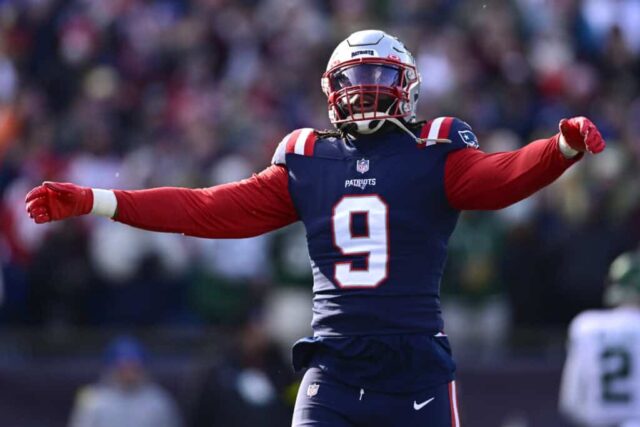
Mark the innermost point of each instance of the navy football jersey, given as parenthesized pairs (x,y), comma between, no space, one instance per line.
(377,222)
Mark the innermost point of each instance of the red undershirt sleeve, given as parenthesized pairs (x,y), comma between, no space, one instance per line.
(475,180)
(245,208)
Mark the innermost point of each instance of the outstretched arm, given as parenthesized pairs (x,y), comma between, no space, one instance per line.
(241,209)
(479,181)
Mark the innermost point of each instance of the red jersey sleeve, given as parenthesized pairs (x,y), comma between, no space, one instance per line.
(475,180)
(241,209)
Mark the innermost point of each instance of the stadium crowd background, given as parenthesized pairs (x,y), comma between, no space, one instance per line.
(135,94)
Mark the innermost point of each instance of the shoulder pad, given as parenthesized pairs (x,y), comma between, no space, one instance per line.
(455,130)
(86,395)
(300,141)
(584,323)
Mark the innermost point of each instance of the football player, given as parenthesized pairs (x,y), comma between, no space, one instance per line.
(601,378)
(379,198)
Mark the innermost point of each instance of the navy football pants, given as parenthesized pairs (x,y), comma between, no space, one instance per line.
(324,402)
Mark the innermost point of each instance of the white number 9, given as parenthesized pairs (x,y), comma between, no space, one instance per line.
(374,243)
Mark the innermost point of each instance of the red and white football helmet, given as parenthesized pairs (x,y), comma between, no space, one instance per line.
(370,77)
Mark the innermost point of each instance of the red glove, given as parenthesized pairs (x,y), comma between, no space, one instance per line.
(582,135)
(52,201)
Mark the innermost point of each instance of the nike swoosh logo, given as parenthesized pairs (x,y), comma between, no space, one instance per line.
(417,406)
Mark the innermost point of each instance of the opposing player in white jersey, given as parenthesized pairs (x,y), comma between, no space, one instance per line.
(601,378)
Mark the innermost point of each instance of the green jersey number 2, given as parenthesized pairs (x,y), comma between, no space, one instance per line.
(617,367)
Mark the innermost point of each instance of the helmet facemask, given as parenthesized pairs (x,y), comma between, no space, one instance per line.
(364,92)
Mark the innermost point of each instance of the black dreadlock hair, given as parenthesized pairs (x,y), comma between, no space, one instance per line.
(343,132)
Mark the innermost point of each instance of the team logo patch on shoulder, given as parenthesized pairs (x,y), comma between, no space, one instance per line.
(312,390)
(469,138)
(362,165)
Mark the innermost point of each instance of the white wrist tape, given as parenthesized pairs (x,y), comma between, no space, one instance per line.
(566,151)
(104,203)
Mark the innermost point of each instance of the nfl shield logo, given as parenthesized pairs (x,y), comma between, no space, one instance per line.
(362,165)
(312,390)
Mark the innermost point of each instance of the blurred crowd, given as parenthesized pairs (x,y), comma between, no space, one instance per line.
(139,93)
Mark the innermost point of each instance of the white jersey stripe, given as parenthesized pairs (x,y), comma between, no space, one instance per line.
(300,142)
(435,128)
(454,399)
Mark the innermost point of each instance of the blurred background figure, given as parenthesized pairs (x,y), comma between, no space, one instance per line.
(125,395)
(249,385)
(601,380)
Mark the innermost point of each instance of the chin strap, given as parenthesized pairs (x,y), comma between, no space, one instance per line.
(420,141)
